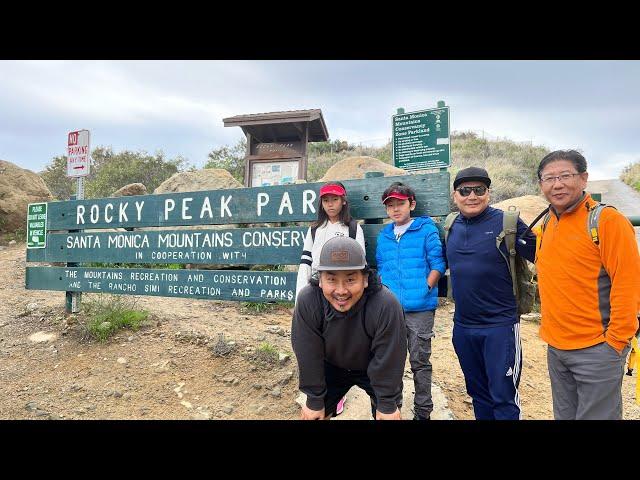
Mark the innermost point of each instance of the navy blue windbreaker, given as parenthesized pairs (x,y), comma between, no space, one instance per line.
(480,279)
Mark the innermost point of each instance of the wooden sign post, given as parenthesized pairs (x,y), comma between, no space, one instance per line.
(277,144)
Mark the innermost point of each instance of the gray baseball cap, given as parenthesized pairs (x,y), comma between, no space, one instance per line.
(341,253)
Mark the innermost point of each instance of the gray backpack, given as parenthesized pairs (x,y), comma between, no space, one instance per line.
(521,278)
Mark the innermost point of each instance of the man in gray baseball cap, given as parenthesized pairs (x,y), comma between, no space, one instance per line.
(348,329)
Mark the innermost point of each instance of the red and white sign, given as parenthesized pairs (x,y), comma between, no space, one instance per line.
(78,154)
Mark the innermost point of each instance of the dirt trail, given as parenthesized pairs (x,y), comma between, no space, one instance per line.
(620,195)
(166,370)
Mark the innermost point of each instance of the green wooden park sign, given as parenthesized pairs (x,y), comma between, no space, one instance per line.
(91,231)
(420,140)
(36,225)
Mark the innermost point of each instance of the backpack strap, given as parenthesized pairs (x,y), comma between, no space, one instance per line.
(508,236)
(594,219)
(448,223)
(353,228)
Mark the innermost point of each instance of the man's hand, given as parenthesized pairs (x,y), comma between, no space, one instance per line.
(388,416)
(308,414)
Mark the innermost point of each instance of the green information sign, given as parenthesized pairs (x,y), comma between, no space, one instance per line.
(421,139)
(243,285)
(37,225)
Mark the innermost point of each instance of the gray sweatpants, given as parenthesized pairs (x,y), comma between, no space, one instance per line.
(586,384)
(419,333)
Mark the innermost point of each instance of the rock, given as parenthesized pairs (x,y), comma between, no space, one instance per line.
(201,416)
(531,317)
(257,386)
(276,392)
(530,206)
(229,380)
(75,387)
(468,401)
(206,179)
(117,394)
(186,404)
(32,306)
(179,387)
(283,358)
(12,242)
(126,396)
(301,399)
(163,366)
(130,190)
(18,188)
(258,409)
(276,330)
(228,409)
(31,406)
(287,378)
(41,337)
(130,339)
(356,167)
(121,360)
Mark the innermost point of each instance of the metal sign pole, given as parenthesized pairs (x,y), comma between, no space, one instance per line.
(78,165)
(72,299)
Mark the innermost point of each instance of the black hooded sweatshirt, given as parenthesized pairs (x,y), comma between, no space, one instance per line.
(371,336)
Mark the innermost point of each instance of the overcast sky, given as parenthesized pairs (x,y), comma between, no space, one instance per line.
(178,106)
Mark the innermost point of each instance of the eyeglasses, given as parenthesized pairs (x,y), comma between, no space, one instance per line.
(564,178)
(480,190)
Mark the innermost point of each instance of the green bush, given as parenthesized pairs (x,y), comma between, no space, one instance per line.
(106,314)
(631,175)
(258,307)
(230,159)
(111,171)
(512,166)
(267,353)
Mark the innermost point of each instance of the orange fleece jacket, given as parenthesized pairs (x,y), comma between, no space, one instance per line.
(588,293)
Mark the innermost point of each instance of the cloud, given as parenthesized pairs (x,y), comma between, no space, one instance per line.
(178,106)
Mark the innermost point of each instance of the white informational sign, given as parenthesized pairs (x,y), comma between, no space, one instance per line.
(78,154)
(274,173)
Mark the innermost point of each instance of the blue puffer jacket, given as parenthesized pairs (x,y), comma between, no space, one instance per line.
(405,265)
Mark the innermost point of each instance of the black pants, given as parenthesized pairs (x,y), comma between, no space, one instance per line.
(339,381)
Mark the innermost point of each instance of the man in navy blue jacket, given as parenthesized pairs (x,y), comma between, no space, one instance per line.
(410,261)
(486,332)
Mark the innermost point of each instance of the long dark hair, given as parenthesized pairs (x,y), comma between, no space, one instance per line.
(345,214)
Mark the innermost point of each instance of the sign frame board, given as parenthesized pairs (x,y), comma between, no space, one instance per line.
(37,225)
(275,169)
(78,153)
(421,140)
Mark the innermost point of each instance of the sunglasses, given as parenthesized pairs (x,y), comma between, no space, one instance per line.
(466,191)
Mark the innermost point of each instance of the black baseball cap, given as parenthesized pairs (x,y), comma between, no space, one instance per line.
(472,174)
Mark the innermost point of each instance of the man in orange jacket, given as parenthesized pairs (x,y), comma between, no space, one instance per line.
(589,286)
